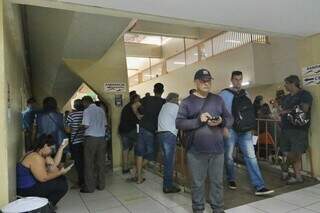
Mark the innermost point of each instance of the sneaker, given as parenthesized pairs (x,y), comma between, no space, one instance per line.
(295,180)
(263,191)
(232,185)
(173,189)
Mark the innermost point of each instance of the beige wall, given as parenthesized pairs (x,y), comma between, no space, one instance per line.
(14,91)
(309,54)
(110,68)
(221,66)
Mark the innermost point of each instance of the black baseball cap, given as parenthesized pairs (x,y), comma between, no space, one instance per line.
(203,74)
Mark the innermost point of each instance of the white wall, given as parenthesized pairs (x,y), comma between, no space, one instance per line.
(221,66)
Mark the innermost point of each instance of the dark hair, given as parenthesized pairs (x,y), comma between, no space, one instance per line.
(257,100)
(133,97)
(87,99)
(78,105)
(293,79)
(42,141)
(236,73)
(50,104)
(31,100)
(147,94)
(192,91)
(158,88)
(133,92)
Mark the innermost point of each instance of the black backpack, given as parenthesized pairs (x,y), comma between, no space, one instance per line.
(242,111)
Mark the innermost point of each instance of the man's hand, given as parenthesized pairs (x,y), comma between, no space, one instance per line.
(204,117)
(214,123)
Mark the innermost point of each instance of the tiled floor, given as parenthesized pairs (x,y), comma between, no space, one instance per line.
(123,197)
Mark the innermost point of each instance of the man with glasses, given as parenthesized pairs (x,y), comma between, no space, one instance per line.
(203,116)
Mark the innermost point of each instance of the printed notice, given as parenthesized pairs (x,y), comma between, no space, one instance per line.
(115,87)
(311,70)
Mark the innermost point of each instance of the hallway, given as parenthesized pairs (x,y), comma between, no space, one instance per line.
(123,197)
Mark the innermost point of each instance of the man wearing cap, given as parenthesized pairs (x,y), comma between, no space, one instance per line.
(203,117)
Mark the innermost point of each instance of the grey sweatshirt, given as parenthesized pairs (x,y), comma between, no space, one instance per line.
(206,139)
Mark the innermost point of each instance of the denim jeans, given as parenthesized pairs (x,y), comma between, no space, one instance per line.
(145,144)
(201,166)
(168,145)
(244,141)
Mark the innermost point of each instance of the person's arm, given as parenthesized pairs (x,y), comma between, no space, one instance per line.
(306,102)
(85,119)
(227,118)
(39,171)
(58,156)
(67,128)
(135,110)
(182,121)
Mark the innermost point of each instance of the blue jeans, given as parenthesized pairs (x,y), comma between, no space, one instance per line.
(168,144)
(244,141)
(145,144)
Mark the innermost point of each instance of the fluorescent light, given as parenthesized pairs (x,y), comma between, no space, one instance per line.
(179,63)
(246,83)
(233,41)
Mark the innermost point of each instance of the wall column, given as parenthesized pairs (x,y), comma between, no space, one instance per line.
(309,54)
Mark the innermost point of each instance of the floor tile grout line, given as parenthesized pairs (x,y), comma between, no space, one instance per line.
(115,197)
(84,203)
(296,204)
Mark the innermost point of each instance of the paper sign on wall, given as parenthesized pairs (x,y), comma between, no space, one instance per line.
(115,87)
(311,70)
(311,75)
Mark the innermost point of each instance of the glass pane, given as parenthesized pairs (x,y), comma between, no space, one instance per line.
(206,50)
(134,80)
(156,71)
(176,62)
(192,55)
(146,75)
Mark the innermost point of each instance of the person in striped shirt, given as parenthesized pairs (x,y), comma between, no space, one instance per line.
(73,126)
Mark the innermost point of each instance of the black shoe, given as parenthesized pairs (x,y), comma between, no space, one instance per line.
(125,171)
(173,189)
(232,185)
(263,191)
(85,191)
(100,188)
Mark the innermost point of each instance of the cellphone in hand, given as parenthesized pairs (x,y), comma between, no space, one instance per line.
(64,141)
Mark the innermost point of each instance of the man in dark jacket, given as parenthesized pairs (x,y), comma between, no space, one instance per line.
(204,117)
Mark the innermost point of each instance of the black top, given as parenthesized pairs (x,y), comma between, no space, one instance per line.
(289,102)
(150,109)
(128,120)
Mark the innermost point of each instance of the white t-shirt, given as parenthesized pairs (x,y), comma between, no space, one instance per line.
(95,119)
(167,118)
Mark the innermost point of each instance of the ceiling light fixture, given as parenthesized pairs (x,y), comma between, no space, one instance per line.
(179,63)
(233,41)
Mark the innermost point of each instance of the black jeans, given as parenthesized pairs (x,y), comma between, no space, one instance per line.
(77,155)
(53,190)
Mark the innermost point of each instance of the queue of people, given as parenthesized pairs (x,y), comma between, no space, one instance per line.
(49,137)
(212,126)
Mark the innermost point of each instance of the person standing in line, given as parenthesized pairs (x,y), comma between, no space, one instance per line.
(128,130)
(167,136)
(145,148)
(242,109)
(73,126)
(28,117)
(94,122)
(203,117)
(295,123)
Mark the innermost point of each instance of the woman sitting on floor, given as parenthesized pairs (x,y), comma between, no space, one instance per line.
(40,175)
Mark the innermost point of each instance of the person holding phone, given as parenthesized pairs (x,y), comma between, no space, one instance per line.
(38,174)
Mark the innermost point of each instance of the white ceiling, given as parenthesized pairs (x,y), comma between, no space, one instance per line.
(288,17)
